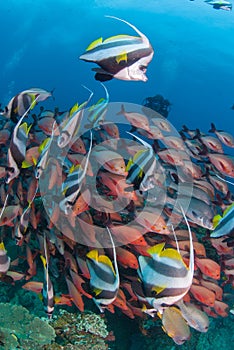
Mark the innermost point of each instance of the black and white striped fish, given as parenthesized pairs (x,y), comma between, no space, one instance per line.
(47,291)
(224,225)
(104,278)
(22,101)
(71,126)
(4,259)
(98,111)
(164,275)
(72,185)
(142,168)
(122,57)
(17,149)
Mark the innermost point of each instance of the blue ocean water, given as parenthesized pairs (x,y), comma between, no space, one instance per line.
(192,67)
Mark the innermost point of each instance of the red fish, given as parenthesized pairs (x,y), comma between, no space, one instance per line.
(214,287)
(221,308)
(208,267)
(75,294)
(33,286)
(203,294)
(126,258)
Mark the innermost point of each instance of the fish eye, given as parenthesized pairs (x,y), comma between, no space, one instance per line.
(143,68)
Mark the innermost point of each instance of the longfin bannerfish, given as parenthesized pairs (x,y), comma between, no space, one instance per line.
(4,259)
(71,126)
(165,274)
(25,100)
(72,185)
(44,150)
(104,278)
(17,149)
(224,225)
(142,167)
(122,57)
(98,111)
(47,291)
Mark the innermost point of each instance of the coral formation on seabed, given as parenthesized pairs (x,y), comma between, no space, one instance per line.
(21,330)
(79,331)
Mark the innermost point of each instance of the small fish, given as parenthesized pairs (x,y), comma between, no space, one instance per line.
(78,146)
(75,294)
(224,225)
(104,278)
(174,142)
(111,161)
(226,138)
(221,308)
(126,258)
(47,124)
(203,294)
(153,221)
(209,267)
(135,119)
(220,4)
(172,156)
(122,57)
(222,162)
(4,260)
(174,325)
(161,123)
(195,317)
(8,214)
(33,286)
(214,287)
(78,281)
(212,143)
(199,212)
(24,101)
(129,234)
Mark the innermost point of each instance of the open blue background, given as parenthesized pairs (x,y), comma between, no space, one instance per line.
(193,65)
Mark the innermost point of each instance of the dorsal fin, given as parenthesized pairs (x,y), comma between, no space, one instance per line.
(106,261)
(120,37)
(94,44)
(172,254)
(228,209)
(216,220)
(93,254)
(156,249)
(144,38)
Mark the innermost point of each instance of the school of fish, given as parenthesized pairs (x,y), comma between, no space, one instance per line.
(143,241)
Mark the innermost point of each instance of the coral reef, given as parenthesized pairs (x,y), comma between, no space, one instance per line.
(21,330)
(83,331)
